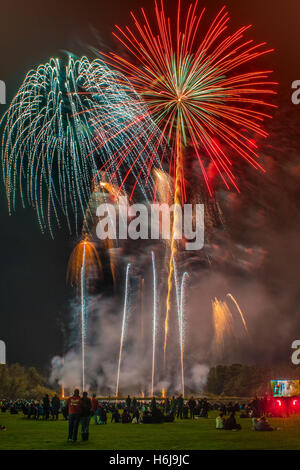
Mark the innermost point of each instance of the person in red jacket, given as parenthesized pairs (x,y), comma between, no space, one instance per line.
(74,408)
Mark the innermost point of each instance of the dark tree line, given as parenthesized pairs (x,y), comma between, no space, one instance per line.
(17,381)
(238,380)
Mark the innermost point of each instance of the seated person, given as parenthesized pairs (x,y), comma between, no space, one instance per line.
(157,416)
(126,417)
(261,424)
(40,411)
(220,421)
(115,416)
(185,412)
(102,415)
(231,424)
(136,417)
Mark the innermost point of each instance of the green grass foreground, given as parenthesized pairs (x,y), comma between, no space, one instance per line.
(186,435)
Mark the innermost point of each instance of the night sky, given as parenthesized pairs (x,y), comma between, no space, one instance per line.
(34,298)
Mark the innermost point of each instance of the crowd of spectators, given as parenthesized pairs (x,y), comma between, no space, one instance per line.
(77,409)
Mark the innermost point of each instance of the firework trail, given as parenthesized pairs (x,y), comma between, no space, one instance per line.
(142,323)
(223,322)
(199,93)
(70,123)
(83,319)
(171,269)
(162,186)
(142,311)
(101,192)
(181,326)
(84,258)
(123,331)
(62,383)
(154,321)
(180,300)
(86,250)
(230,296)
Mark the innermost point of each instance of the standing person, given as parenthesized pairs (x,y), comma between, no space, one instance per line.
(128,402)
(55,403)
(153,404)
(102,415)
(46,406)
(98,413)
(40,411)
(180,407)
(173,404)
(167,406)
(64,409)
(94,407)
(205,408)
(192,406)
(134,404)
(74,408)
(86,410)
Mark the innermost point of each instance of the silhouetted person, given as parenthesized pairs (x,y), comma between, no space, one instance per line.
(115,416)
(231,424)
(46,406)
(192,407)
(134,404)
(55,403)
(86,411)
(102,415)
(185,412)
(128,402)
(205,408)
(180,407)
(126,417)
(64,409)
(94,408)
(153,404)
(167,406)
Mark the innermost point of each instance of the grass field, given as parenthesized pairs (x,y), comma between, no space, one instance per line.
(186,435)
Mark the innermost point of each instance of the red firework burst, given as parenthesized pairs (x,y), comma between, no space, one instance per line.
(199,88)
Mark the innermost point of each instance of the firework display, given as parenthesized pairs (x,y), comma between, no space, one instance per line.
(197,88)
(199,94)
(165,121)
(61,132)
(150,160)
